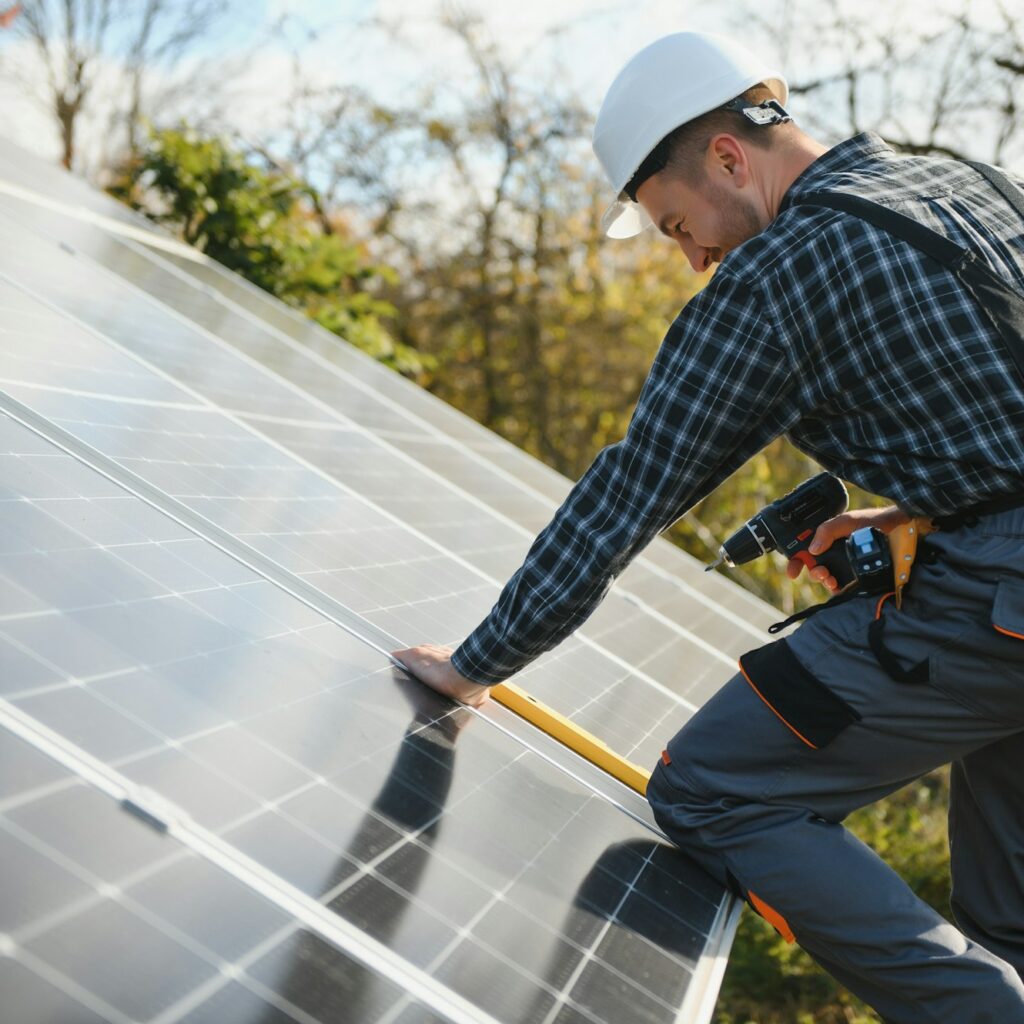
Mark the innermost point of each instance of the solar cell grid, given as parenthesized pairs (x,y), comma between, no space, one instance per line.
(283,735)
(214,464)
(396,395)
(107,920)
(440,436)
(498,489)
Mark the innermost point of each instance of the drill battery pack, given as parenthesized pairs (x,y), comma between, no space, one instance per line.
(881,562)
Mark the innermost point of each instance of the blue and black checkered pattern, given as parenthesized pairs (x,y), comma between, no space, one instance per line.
(869,355)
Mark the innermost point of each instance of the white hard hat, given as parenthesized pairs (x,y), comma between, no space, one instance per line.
(671,81)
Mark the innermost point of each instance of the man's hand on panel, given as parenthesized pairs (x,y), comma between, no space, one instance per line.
(431,664)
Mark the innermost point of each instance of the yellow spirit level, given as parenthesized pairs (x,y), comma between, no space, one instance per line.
(571,735)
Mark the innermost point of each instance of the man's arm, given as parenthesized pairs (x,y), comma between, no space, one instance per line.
(716,394)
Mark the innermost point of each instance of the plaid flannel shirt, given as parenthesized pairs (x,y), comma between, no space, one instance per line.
(866,353)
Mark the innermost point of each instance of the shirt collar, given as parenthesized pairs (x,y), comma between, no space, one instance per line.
(843,156)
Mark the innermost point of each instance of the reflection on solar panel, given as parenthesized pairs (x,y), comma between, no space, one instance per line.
(218,800)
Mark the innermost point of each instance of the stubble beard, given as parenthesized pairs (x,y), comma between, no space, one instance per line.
(738,221)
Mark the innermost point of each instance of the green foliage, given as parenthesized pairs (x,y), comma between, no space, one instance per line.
(267,226)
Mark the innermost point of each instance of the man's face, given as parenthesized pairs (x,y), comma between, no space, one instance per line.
(706,220)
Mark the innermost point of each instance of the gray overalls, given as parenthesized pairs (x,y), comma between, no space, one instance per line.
(755,786)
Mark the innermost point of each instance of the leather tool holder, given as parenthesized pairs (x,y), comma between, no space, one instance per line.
(903,541)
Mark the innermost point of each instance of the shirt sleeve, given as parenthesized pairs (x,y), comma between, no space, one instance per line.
(717,392)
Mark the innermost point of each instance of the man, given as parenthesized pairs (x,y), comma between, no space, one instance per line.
(893,369)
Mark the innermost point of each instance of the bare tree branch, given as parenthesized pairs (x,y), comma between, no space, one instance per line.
(75,40)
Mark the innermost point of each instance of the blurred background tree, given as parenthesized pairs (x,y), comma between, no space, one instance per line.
(127,56)
(269,227)
(454,235)
(950,83)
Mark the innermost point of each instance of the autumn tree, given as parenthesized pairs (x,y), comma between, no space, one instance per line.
(139,46)
(951,83)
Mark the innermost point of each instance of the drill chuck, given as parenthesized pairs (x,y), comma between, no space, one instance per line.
(749,542)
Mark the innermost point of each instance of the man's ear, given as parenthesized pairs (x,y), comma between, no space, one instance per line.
(728,160)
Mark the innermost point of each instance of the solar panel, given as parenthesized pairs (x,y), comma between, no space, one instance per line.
(109,920)
(28,177)
(413,420)
(260,723)
(704,642)
(217,524)
(216,463)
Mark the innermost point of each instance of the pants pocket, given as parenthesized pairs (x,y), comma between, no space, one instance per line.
(983,667)
(804,704)
(1008,609)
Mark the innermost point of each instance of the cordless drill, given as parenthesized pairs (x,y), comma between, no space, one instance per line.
(788,524)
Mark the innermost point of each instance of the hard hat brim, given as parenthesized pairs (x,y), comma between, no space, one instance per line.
(624,219)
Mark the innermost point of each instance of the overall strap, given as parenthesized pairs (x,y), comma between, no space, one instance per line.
(1002,304)
(946,251)
(1006,188)
(919,235)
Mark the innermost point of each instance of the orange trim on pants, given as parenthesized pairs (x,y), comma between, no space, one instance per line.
(798,735)
(773,917)
(1009,632)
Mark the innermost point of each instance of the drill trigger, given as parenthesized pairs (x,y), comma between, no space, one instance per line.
(806,557)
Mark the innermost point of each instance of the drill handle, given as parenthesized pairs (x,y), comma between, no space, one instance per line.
(835,559)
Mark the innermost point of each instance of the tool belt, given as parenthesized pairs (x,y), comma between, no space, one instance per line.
(970,516)
(904,546)
(904,540)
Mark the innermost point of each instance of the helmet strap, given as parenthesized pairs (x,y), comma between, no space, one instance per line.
(767,112)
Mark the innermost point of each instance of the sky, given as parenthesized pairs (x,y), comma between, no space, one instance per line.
(580,43)
(586,40)
(583,42)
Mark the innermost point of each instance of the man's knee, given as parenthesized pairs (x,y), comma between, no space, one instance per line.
(678,811)
(731,750)
(712,784)
(681,804)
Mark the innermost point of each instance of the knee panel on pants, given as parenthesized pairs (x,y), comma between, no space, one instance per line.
(804,704)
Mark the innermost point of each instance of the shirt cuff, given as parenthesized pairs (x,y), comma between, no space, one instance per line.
(470,660)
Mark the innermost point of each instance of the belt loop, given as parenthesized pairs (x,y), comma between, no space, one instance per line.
(918,673)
